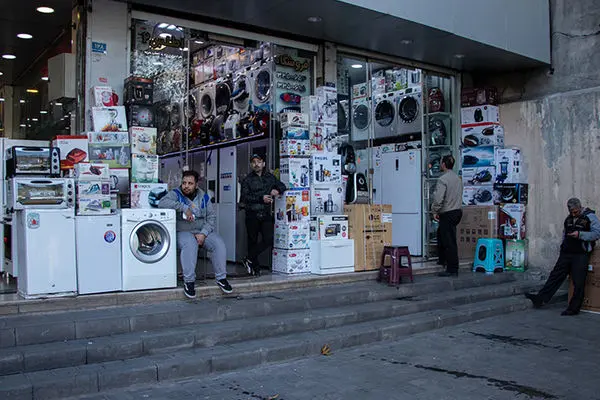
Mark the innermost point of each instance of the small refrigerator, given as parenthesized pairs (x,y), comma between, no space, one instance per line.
(46,252)
(98,239)
(402,188)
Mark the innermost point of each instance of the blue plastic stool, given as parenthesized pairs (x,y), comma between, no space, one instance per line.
(489,256)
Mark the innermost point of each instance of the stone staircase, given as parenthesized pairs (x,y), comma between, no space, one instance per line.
(69,353)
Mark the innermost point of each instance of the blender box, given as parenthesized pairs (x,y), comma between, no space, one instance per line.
(293,147)
(109,119)
(327,105)
(309,106)
(326,199)
(512,221)
(292,235)
(482,156)
(511,193)
(484,114)
(73,150)
(478,195)
(292,206)
(478,176)
(103,96)
(516,255)
(291,261)
(147,195)
(89,171)
(483,135)
(138,90)
(144,168)
(333,227)
(119,180)
(94,205)
(509,166)
(296,133)
(143,140)
(294,172)
(293,120)
(323,137)
(325,168)
(140,115)
(114,155)
(108,138)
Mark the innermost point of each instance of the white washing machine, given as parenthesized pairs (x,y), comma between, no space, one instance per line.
(206,100)
(262,86)
(361,119)
(385,115)
(222,96)
(148,248)
(409,111)
(241,95)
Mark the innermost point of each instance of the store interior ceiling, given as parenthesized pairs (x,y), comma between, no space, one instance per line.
(22,17)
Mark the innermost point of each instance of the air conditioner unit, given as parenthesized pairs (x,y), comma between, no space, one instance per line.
(61,77)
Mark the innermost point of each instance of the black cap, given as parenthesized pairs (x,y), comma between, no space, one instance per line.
(257,155)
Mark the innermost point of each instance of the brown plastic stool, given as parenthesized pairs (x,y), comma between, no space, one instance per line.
(393,273)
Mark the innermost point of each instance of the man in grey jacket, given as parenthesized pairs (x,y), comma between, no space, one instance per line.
(447,210)
(196,228)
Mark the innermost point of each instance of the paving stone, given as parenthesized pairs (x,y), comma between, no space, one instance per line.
(113,348)
(15,387)
(52,332)
(125,373)
(182,366)
(63,383)
(11,361)
(7,337)
(101,327)
(168,341)
(55,355)
(153,321)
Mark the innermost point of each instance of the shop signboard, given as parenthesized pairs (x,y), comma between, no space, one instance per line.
(292,80)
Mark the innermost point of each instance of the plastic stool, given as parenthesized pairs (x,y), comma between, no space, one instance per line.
(396,271)
(489,256)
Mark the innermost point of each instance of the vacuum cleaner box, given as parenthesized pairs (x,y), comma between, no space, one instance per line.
(483,135)
(482,156)
(326,199)
(292,235)
(292,206)
(147,195)
(291,261)
(478,195)
(326,168)
(511,193)
(333,227)
(478,176)
(293,120)
(509,166)
(483,114)
(294,172)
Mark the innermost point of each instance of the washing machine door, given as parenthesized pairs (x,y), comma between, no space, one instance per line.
(206,105)
(149,241)
(361,117)
(262,85)
(222,98)
(408,109)
(385,113)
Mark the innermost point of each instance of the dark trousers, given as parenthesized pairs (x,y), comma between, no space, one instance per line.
(256,226)
(572,264)
(448,248)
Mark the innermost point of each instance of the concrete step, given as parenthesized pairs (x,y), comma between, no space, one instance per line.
(28,329)
(138,344)
(88,379)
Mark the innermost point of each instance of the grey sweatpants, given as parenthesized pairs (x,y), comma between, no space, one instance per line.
(188,254)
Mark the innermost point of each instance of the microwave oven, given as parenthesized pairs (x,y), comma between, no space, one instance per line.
(40,193)
(25,160)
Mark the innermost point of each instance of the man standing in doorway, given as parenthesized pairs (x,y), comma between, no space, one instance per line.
(447,210)
(581,230)
(258,191)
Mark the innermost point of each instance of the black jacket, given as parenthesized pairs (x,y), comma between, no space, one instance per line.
(254,187)
(588,226)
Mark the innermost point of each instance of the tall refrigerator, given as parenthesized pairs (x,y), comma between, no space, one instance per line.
(401,186)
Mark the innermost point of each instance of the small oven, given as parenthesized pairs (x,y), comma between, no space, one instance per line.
(40,193)
(40,161)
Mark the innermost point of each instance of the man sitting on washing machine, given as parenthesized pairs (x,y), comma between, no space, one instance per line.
(196,221)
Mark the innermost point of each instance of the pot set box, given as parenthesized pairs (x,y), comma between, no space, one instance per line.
(140,116)
(143,140)
(483,114)
(309,106)
(119,180)
(323,137)
(109,119)
(478,176)
(327,105)
(293,147)
(293,120)
(509,166)
(93,197)
(294,172)
(138,90)
(326,199)
(483,135)
(332,227)
(73,150)
(104,96)
(326,168)
(511,193)
(475,157)
(147,195)
(296,133)
(512,221)
(292,235)
(92,172)
(291,261)
(144,168)
(478,195)
(293,206)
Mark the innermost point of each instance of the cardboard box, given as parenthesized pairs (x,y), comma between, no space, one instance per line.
(310,107)
(104,96)
(119,180)
(327,105)
(511,193)
(90,188)
(314,228)
(470,97)
(370,226)
(478,195)
(477,222)
(143,140)
(147,195)
(141,115)
(296,133)
(294,172)
(326,199)
(475,157)
(109,119)
(292,147)
(138,90)
(292,235)
(484,114)
(73,150)
(94,205)
(109,138)
(484,135)
(591,298)
(115,156)
(478,176)
(516,255)
(293,120)
(512,221)
(509,166)
(333,227)
(144,168)
(323,137)
(91,172)
(293,206)
(325,168)
(291,261)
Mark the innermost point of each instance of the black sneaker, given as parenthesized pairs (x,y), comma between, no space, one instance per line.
(249,266)
(189,290)
(569,312)
(224,285)
(535,299)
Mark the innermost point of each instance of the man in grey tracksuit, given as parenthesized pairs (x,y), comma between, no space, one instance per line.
(196,228)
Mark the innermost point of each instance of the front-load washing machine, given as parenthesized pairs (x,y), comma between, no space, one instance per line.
(241,95)
(409,111)
(148,248)
(361,119)
(222,97)
(206,100)
(262,81)
(384,115)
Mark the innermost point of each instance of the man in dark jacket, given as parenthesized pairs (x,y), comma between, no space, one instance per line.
(581,230)
(258,190)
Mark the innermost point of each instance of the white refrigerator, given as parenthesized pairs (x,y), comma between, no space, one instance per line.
(227,206)
(46,252)
(401,186)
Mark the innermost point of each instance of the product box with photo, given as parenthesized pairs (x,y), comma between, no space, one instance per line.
(326,168)
(509,166)
(293,206)
(511,193)
(478,195)
(143,140)
(147,195)
(91,172)
(73,150)
(475,157)
(332,227)
(478,176)
(484,114)
(293,147)
(294,172)
(144,168)
(292,235)
(291,261)
(484,135)
(293,120)
(326,199)
(109,119)
(512,221)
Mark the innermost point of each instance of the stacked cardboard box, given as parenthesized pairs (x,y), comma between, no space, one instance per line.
(93,189)
(591,299)
(370,226)
(477,222)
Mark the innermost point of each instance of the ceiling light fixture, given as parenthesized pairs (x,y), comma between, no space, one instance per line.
(1,73)
(45,10)
(44,78)
(22,125)
(198,42)
(1,99)
(24,36)
(357,66)
(34,119)
(315,19)
(34,91)
(43,112)
(22,101)
(58,104)
(459,56)
(185,49)
(9,56)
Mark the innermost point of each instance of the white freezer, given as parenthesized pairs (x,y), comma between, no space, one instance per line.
(406,231)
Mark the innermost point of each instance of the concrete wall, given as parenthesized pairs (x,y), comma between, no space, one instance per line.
(553,115)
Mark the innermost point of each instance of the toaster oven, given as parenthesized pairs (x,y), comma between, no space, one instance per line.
(40,193)
(23,160)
